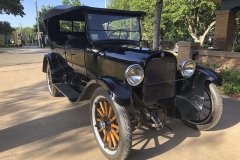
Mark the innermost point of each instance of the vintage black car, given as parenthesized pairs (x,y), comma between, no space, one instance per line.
(96,55)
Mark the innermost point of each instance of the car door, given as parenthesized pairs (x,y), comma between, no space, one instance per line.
(77,56)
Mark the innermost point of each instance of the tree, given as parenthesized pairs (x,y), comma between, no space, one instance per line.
(11,7)
(43,10)
(197,16)
(28,32)
(179,19)
(71,2)
(5,28)
(237,30)
(156,25)
(139,5)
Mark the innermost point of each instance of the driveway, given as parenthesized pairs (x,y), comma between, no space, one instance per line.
(34,125)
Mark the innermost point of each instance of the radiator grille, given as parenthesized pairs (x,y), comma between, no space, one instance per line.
(161,71)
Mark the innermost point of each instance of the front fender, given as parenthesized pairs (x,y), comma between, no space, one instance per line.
(191,93)
(118,90)
(210,75)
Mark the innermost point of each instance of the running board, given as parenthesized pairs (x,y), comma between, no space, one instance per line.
(67,91)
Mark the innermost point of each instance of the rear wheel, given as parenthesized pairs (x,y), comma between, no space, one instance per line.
(51,88)
(211,112)
(111,126)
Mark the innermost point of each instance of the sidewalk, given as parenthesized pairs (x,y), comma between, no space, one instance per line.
(34,125)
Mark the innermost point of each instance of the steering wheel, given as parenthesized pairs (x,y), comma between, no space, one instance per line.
(119,36)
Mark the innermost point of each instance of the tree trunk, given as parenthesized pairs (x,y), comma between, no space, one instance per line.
(201,38)
(156,25)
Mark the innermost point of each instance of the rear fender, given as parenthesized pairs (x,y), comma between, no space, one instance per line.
(190,97)
(57,65)
(117,89)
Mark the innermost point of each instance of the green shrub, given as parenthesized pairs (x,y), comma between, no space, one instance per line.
(237,48)
(231,78)
(204,46)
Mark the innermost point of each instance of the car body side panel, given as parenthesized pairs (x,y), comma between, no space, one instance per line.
(118,90)
(78,61)
(95,64)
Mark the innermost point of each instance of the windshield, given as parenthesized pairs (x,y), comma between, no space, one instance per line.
(105,27)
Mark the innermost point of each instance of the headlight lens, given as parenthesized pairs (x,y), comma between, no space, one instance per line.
(134,74)
(187,68)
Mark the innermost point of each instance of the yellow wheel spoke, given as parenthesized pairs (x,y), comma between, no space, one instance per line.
(113,139)
(100,130)
(106,107)
(105,137)
(101,105)
(115,134)
(100,112)
(99,120)
(109,141)
(207,107)
(110,112)
(113,119)
(114,126)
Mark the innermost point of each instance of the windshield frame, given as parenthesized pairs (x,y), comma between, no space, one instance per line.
(100,40)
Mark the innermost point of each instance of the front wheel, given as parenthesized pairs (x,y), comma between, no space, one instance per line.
(211,112)
(111,125)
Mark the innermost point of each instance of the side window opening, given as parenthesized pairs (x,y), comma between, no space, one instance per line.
(72,26)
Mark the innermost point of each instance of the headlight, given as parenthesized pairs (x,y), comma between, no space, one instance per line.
(134,74)
(187,68)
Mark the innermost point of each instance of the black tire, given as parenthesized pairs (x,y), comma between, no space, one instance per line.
(51,88)
(212,110)
(105,130)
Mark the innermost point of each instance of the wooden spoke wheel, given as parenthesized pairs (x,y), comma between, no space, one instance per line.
(106,122)
(211,110)
(111,126)
(51,88)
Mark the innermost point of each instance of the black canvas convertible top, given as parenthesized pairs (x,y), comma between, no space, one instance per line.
(76,10)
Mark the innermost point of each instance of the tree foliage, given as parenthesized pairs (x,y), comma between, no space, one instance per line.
(27,32)
(13,7)
(5,28)
(71,2)
(180,19)
(43,10)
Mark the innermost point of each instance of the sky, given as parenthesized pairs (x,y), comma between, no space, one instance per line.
(30,11)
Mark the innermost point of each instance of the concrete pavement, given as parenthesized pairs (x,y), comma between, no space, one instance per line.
(34,125)
(22,55)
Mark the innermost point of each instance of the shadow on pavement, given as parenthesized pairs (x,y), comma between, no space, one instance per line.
(163,140)
(71,118)
(45,127)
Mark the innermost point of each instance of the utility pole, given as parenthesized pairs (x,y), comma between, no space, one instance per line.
(38,37)
(156,25)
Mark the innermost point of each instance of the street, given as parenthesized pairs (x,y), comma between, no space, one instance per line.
(34,125)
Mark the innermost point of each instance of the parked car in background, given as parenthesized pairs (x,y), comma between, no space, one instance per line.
(175,48)
(99,58)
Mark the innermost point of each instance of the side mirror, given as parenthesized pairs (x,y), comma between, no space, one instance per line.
(195,55)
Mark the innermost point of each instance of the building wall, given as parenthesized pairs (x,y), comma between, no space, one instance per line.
(220,58)
(2,39)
